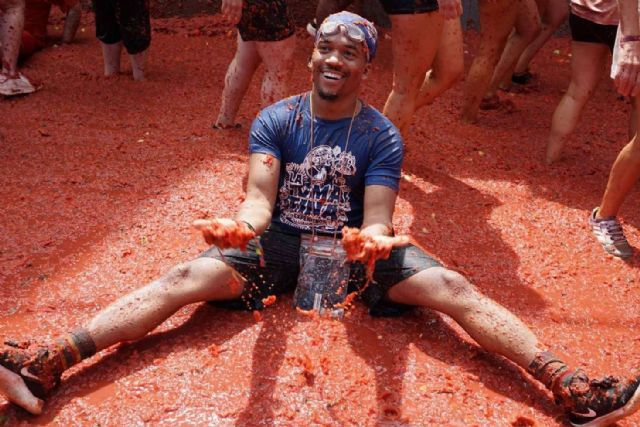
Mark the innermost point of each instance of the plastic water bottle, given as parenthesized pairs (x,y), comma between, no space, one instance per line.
(324,275)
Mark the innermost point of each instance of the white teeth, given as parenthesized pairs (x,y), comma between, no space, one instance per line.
(330,75)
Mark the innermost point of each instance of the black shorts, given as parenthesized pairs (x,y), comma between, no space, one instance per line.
(280,273)
(125,21)
(583,30)
(265,20)
(408,7)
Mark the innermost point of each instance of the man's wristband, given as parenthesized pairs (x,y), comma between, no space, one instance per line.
(630,38)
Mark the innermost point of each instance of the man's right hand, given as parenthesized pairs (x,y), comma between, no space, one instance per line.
(232,10)
(225,232)
(627,78)
(13,387)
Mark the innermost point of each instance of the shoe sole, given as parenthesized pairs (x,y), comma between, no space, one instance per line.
(606,420)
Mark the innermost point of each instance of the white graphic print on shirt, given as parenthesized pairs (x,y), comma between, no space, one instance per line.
(315,193)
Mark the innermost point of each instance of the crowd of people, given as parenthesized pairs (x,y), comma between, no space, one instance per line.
(325,166)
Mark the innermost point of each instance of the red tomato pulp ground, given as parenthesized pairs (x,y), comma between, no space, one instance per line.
(102,177)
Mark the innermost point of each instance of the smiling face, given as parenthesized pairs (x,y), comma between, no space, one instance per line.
(338,65)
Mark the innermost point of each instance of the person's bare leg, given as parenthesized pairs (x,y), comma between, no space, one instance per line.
(13,387)
(414,43)
(111,58)
(128,318)
(497,18)
(236,81)
(600,402)
(624,174)
(277,59)
(136,314)
(138,62)
(633,119)
(488,323)
(11,25)
(554,15)
(71,23)
(527,28)
(448,64)
(587,66)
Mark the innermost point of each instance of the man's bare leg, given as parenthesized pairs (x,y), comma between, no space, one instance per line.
(136,314)
(527,28)
(497,18)
(554,14)
(13,387)
(624,174)
(11,25)
(587,65)
(277,59)
(415,41)
(236,81)
(129,318)
(499,331)
(111,57)
(138,62)
(448,64)
(489,324)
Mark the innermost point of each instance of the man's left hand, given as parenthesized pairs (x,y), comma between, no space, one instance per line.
(367,248)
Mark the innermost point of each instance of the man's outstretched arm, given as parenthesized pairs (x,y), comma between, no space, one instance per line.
(254,214)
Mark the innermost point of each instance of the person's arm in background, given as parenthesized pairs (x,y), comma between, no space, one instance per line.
(628,57)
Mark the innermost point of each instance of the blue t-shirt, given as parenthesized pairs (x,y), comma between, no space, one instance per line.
(322,187)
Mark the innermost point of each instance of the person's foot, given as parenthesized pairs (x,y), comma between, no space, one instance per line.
(40,372)
(223,126)
(491,102)
(312,28)
(608,231)
(12,86)
(521,78)
(599,402)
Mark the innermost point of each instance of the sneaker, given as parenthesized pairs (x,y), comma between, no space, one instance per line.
(312,28)
(521,78)
(608,232)
(19,85)
(38,370)
(601,402)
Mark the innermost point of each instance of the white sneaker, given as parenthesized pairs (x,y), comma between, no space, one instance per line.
(19,85)
(608,232)
(312,28)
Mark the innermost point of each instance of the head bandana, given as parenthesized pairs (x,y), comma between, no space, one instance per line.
(357,28)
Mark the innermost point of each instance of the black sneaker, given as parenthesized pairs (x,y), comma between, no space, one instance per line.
(600,402)
(521,78)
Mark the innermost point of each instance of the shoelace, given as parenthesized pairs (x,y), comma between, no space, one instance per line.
(613,230)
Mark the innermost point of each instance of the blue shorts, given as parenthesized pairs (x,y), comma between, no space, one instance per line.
(407,7)
(280,273)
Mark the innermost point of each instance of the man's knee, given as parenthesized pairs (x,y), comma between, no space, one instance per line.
(456,286)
